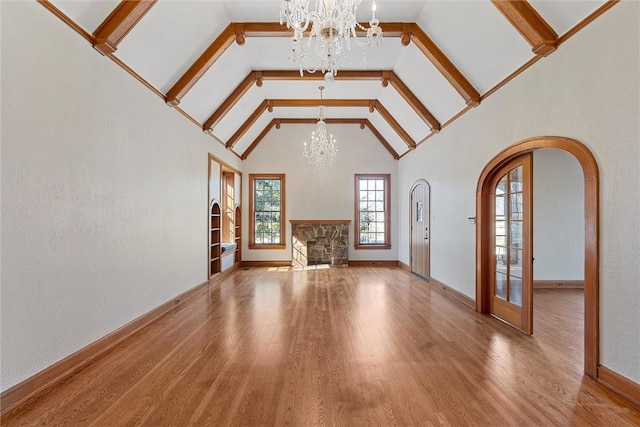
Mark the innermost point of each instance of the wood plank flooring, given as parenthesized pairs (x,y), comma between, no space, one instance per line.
(344,346)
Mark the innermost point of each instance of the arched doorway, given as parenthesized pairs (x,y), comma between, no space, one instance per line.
(420,197)
(484,203)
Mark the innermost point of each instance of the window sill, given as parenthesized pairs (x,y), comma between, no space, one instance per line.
(381,246)
(267,246)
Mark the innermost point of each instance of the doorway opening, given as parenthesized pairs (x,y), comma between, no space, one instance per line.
(485,252)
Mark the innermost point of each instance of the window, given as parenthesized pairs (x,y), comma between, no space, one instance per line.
(266,204)
(373,206)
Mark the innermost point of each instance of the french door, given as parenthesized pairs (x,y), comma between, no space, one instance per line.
(420,214)
(511,287)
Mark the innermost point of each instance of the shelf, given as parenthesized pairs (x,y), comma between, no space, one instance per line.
(215,229)
(238,237)
(215,244)
(215,259)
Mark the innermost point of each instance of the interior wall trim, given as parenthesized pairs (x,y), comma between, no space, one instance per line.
(453,293)
(44,380)
(619,384)
(558,284)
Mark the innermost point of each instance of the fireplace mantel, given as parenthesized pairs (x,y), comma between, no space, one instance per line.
(319,241)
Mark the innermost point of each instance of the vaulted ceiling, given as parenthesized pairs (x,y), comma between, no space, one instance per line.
(224,64)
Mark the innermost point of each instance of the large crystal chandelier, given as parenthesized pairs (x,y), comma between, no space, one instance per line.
(322,148)
(331,26)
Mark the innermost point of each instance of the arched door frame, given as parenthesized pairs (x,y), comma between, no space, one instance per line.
(413,187)
(591,238)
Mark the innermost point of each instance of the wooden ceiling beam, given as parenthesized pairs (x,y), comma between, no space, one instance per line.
(232,100)
(316,102)
(278,122)
(443,64)
(264,105)
(202,64)
(118,24)
(342,75)
(526,20)
(385,76)
(275,29)
(394,124)
(411,99)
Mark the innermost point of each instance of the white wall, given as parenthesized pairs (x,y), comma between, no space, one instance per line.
(104,192)
(312,193)
(589,91)
(558,216)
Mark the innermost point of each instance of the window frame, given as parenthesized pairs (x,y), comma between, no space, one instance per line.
(252,212)
(387,211)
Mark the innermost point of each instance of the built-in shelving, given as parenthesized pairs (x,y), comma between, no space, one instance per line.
(238,233)
(214,238)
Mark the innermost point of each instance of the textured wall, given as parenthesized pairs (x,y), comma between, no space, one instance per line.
(320,194)
(587,90)
(103,194)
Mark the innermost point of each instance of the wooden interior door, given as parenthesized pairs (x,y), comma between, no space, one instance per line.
(511,296)
(420,232)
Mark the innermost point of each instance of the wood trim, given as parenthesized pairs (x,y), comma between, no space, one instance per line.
(316,102)
(44,380)
(64,18)
(342,75)
(258,139)
(413,101)
(320,221)
(259,264)
(117,25)
(264,105)
(231,100)
(201,65)
(387,210)
(275,29)
(445,66)
(619,384)
(531,26)
(252,213)
(558,284)
(278,122)
(403,266)
(591,245)
(381,138)
(394,124)
(448,290)
(373,263)
(586,21)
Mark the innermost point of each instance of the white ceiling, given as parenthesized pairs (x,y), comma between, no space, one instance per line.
(474,35)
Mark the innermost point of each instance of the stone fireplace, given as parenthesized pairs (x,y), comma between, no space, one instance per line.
(317,242)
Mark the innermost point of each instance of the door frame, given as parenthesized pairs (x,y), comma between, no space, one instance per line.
(591,236)
(413,187)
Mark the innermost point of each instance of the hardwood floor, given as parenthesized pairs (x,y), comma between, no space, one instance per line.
(347,346)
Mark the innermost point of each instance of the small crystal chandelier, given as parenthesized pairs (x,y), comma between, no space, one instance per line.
(331,27)
(322,148)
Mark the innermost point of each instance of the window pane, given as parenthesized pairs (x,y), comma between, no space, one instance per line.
(515,205)
(515,235)
(501,286)
(515,290)
(501,188)
(515,262)
(500,207)
(515,178)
